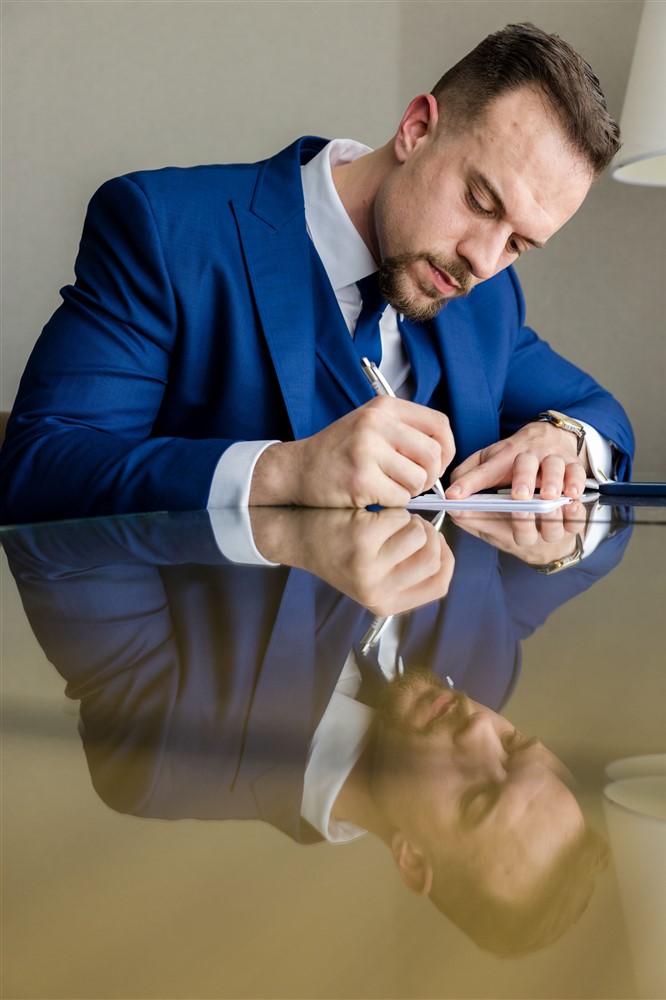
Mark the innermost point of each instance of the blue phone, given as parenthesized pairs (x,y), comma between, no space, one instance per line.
(633,489)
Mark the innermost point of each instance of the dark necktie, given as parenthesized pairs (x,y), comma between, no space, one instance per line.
(367,339)
(373,680)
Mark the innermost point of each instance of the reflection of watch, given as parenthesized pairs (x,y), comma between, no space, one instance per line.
(566,424)
(558,564)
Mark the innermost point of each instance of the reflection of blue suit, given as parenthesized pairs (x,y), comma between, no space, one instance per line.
(202,682)
(201,316)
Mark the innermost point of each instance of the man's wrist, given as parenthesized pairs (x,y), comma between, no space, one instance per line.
(273,476)
(565,423)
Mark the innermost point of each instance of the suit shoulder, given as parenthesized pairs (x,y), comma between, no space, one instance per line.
(176,197)
(206,180)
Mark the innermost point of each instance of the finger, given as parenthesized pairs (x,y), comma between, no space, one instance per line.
(492,472)
(432,423)
(405,472)
(552,526)
(421,450)
(573,513)
(496,531)
(378,536)
(574,480)
(435,585)
(403,543)
(422,565)
(552,477)
(472,462)
(524,529)
(524,476)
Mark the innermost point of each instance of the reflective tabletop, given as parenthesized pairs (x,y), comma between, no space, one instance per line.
(280,753)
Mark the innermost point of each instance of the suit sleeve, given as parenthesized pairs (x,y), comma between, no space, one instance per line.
(540,379)
(80,441)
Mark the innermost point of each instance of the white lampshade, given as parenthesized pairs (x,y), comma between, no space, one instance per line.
(642,159)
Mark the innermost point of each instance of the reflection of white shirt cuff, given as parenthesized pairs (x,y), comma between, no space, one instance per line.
(599,455)
(233,474)
(598,529)
(233,535)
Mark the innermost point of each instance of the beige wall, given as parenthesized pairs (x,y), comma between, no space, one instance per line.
(94,89)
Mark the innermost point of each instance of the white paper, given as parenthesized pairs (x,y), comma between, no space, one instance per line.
(485,501)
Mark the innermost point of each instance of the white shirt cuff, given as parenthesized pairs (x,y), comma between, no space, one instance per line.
(228,503)
(233,474)
(599,456)
(233,536)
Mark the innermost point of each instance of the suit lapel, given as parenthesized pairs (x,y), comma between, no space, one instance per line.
(279,271)
(277,252)
(419,341)
(335,350)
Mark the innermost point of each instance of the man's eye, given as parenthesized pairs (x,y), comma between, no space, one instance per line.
(514,248)
(476,206)
(477,802)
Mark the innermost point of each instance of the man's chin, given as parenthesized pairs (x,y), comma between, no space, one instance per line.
(418,310)
(392,709)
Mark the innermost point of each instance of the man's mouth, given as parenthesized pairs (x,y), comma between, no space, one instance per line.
(443,281)
(440,706)
(431,712)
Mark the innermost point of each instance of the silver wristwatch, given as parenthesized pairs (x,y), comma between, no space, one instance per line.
(566,424)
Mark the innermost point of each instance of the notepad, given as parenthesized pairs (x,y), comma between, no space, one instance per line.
(486,501)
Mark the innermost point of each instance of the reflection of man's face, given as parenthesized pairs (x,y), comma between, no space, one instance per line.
(462,784)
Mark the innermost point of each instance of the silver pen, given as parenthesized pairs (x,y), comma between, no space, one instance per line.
(380,387)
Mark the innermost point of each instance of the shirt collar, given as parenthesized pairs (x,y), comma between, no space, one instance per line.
(343,253)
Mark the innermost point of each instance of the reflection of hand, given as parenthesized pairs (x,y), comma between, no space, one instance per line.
(388,561)
(539,454)
(538,539)
(385,452)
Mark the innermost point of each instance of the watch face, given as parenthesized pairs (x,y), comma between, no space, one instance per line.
(562,420)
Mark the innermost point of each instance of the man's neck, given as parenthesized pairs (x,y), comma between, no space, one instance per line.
(355,804)
(357,184)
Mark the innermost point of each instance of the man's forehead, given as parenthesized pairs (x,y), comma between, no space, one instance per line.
(536,184)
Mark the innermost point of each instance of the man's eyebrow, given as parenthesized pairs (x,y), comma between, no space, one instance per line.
(500,207)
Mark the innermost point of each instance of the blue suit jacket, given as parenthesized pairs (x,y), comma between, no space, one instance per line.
(201,316)
(201,683)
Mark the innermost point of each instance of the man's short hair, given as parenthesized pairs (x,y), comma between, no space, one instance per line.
(512,929)
(522,55)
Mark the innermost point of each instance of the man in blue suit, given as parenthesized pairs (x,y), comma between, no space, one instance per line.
(204,358)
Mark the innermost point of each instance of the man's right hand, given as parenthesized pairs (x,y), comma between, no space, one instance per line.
(385,452)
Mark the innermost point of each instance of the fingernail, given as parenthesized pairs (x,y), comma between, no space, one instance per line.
(521,493)
(454,491)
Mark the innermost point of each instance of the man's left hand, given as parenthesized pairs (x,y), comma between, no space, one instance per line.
(539,454)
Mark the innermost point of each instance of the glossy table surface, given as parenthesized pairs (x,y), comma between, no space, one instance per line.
(163,676)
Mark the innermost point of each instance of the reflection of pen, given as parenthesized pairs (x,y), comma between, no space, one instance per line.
(380,387)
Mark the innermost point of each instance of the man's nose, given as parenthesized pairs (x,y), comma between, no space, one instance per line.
(482,253)
(480,739)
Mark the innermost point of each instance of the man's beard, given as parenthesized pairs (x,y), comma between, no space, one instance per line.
(397,285)
(397,698)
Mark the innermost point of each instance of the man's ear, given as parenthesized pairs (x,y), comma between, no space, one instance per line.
(415,869)
(419,121)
